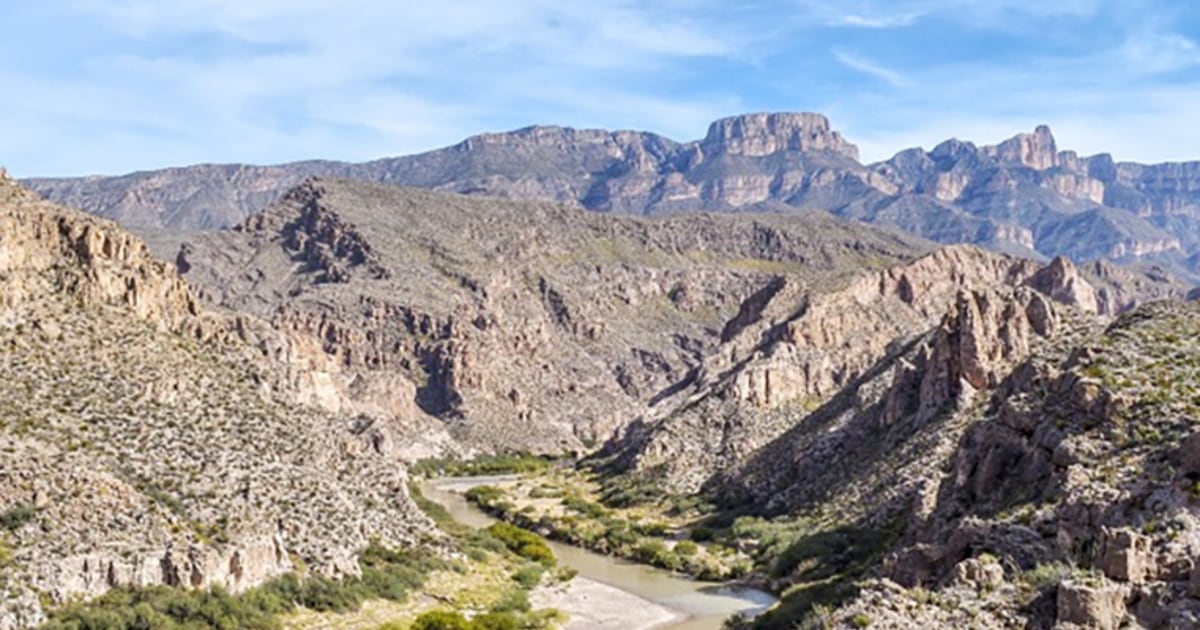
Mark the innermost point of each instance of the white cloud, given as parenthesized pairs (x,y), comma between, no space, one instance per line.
(1160,52)
(878,21)
(866,66)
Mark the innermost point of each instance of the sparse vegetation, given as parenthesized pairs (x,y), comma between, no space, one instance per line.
(504,464)
(18,515)
(386,574)
(523,543)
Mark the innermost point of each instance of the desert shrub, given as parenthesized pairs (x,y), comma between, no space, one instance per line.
(13,518)
(484,496)
(498,621)
(686,548)
(529,575)
(578,504)
(524,543)
(442,620)
(514,601)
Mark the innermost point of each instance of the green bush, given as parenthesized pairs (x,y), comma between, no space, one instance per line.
(686,548)
(484,496)
(442,620)
(524,543)
(13,518)
(701,533)
(655,552)
(529,575)
(860,620)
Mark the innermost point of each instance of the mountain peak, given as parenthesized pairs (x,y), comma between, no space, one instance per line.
(763,133)
(1036,150)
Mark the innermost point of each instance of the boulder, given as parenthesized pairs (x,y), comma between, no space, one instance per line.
(1101,607)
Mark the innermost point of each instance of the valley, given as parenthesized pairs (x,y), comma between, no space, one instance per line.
(777,413)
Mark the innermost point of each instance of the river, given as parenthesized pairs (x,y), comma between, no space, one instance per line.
(706,604)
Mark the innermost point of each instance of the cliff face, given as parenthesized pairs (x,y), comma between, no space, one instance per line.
(1078,469)
(501,313)
(146,442)
(806,350)
(742,160)
(1022,196)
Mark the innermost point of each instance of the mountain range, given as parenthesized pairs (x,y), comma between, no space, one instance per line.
(1021,196)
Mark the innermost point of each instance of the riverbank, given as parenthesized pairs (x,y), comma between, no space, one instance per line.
(610,592)
(592,605)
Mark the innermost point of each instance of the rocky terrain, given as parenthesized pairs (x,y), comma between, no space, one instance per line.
(144,440)
(1022,196)
(1070,498)
(528,326)
(967,432)
(951,437)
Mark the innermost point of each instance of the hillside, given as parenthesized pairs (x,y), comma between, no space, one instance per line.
(506,314)
(146,442)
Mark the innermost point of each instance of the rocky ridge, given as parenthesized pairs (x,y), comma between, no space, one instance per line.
(1022,196)
(144,443)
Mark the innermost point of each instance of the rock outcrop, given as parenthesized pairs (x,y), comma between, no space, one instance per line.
(759,135)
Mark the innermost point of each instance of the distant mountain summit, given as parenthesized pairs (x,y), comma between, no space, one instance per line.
(1021,196)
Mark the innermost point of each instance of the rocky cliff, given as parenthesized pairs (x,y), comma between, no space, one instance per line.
(509,314)
(1069,500)
(802,356)
(146,442)
(1022,196)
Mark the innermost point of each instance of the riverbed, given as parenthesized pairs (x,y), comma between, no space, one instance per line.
(693,604)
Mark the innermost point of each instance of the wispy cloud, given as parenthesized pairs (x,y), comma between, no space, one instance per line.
(1161,52)
(878,21)
(116,85)
(866,66)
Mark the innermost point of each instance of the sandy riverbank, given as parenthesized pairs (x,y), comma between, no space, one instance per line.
(593,605)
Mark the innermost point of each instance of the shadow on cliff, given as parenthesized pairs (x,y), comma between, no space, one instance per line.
(827,453)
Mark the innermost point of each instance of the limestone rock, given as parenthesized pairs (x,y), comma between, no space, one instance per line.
(756,135)
(1101,607)
(1036,150)
(1125,556)
(978,573)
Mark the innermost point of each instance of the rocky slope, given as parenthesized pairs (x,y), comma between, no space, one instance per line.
(1022,196)
(530,326)
(967,433)
(1070,499)
(146,442)
(798,366)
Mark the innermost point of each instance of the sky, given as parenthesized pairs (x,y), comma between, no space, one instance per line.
(113,86)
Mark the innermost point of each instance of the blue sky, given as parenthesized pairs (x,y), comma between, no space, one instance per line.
(111,86)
